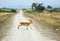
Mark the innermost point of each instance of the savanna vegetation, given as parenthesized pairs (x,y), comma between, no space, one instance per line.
(5,13)
(48,15)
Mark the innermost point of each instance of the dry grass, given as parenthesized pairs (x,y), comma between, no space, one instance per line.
(52,19)
(4,16)
(4,13)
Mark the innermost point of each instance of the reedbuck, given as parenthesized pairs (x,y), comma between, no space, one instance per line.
(25,24)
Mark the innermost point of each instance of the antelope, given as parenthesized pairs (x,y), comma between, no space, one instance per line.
(25,24)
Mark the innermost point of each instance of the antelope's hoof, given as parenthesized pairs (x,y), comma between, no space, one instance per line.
(27,28)
(31,28)
(18,27)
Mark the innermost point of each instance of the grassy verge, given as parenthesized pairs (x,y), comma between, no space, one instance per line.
(5,13)
(4,16)
(52,19)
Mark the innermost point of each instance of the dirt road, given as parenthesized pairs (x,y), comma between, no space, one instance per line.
(9,31)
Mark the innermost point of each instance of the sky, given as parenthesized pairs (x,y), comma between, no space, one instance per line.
(27,3)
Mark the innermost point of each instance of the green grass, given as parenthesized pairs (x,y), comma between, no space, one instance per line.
(54,10)
(31,11)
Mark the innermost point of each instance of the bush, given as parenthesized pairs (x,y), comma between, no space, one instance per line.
(54,10)
(49,6)
(8,10)
(13,10)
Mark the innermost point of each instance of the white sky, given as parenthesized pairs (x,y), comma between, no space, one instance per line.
(27,3)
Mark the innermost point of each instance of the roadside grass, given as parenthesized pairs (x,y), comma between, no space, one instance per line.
(4,16)
(54,10)
(52,19)
(5,13)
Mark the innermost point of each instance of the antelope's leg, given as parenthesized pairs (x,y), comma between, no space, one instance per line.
(27,27)
(18,26)
(30,27)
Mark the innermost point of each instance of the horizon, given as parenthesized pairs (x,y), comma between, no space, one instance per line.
(28,3)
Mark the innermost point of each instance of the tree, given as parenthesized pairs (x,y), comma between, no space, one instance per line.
(38,7)
(34,5)
(49,6)
(13,10)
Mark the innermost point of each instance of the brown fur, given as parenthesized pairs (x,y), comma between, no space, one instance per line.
(25,24)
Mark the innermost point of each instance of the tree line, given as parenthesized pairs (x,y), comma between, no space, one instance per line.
(39,7)
(7,10)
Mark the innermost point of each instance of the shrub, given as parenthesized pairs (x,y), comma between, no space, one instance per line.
(13,10)
(8,10)
(54,10)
